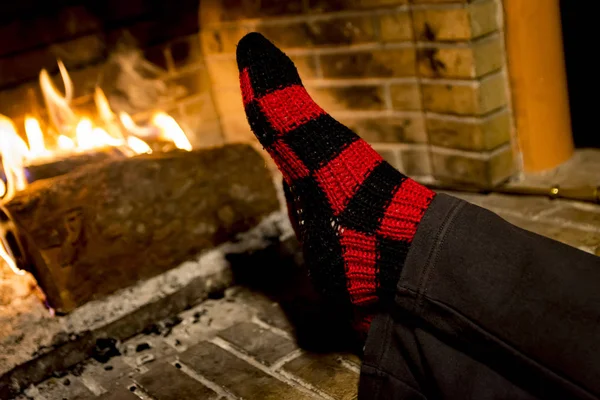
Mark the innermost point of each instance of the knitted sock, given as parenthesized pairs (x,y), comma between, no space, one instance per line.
(355,214)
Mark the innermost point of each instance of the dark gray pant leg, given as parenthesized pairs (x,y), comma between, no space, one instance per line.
(486,309)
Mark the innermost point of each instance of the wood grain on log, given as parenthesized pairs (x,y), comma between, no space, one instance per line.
(61,166)
(110,224)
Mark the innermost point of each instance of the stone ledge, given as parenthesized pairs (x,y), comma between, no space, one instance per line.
(68,340)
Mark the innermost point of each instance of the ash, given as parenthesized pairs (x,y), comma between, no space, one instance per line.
(28,331)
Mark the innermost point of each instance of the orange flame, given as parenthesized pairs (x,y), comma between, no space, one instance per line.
(76,133)
(138,145)
(83,133)
(35,137)
(106,114)
(135,129)
(171,130)
(14,153)
(90,137)
(103,139)
(59,110)
(9,259)
(65,143)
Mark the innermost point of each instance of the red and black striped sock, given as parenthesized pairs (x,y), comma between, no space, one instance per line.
(355,214)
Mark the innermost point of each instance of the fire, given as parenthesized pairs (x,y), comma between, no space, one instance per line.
(84,134)
(171,130)
(35,137)
(59,108)
(90,137)
(136,130)
(65,143)
(138,145)
(9,260)
(14,154)
(106,115)
(70,133)
(162,126)
(67,133)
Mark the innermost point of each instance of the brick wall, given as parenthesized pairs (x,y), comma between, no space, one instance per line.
(84,34)
(422,81)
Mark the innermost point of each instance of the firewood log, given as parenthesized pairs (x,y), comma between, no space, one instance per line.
(105,226)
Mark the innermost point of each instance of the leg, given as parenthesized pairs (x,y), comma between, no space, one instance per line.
(525,306)
(375,241)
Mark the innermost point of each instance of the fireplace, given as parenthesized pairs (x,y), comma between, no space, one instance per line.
(115,177)
(126,151)
(423,81)
(87,84)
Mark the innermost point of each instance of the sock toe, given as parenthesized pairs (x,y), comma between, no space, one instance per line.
(251,48)
(266,67)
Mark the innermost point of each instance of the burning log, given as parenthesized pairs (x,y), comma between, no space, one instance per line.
(59,166)
(107,225)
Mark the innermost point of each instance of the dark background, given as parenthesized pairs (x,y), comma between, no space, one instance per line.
(580,34)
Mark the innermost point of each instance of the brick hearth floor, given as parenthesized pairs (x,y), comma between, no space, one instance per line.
(242,345)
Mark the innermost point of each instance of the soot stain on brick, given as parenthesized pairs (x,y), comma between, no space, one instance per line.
(359,97)
(217,294)
(359,64)
(218,41)
(163,328)
(141,347)
(198,315)
(78,369)
(169,324)
(106,348)
(428,33)
(429,57)
(328,32)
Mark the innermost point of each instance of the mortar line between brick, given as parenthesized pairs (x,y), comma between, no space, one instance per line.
(545,213)
(462,82)
(268,327)
(459,43)
(318,67)
(209,384)
(291,19)
(400,146)
(580,205)
(349,365)
(93,386)
(445,6)
(34,393)
(352,48)
(466,118)
(358,114)
(278,375)
(141,393)
(301,383)
(570,224)
(328,82)
(422,113)
(286,359)
(546,222)
(476,155)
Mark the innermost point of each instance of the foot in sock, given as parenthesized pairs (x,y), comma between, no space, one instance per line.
(355,214)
